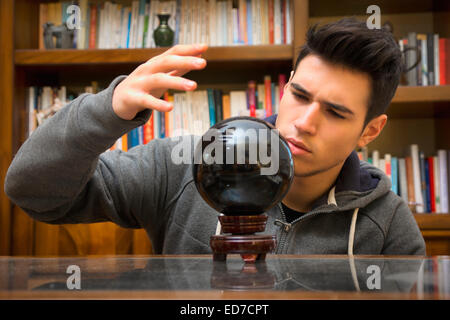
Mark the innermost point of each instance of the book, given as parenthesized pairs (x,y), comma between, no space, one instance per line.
(394,174)
(218,105)
(431,184)
(427,186)
(414,151)
(226,106)
(403,184)
(442,158)
(410,182)
(268,95)
(437,192)
(430,58)
(423,183)
(252,98)
(443,43)
(411,58)
(212,107)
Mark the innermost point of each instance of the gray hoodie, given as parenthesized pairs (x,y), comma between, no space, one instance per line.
(62,174)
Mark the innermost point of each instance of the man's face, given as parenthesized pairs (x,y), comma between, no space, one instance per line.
(323,110)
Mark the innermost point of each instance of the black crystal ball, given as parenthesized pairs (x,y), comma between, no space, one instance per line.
(243,166)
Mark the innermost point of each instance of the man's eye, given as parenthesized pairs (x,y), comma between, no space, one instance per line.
(301,97)
(335,114)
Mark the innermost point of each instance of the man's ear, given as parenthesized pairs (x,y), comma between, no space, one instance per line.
(372,130)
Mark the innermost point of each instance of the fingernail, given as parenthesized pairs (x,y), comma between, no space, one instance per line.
(189,84)
(200,46)
(199,62)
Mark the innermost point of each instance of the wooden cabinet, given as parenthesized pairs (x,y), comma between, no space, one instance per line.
(417,114)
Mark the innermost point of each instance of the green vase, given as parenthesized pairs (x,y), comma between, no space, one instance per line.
(163,35)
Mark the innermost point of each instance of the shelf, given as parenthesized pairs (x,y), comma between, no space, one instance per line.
(422,94)
(433,221)
(117,56)
(323,8)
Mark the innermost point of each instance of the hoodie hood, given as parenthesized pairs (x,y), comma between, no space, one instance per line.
(357,185)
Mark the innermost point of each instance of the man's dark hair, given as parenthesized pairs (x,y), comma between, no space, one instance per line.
(348,42)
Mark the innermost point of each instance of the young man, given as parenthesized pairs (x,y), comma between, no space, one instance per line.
(335,100)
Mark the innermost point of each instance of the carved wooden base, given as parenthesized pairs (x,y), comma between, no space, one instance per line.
(242,239)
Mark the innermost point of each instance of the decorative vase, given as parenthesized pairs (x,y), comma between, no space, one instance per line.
(163,35)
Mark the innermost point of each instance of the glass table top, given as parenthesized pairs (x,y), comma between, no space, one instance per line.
(416,277)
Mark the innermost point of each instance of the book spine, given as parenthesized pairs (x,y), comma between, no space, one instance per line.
(430,57)
(93,27)
(226,106)
(402,178)
(442,155)
(431,184)
(43,18)
(442,62)
(249,22)
(376,158)
(436,59)
(394,177)
(417,178)
(212,108)
(218,104)
(146,27)
(447,63)
(288,22)
(437,192)
(410,181)
(448,179)
(427,186)
(268,95)
(251,98)
(423,186)
(271,22)
(277,22)
(411,57)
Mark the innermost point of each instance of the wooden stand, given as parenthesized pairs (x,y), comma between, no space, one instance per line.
(242,240)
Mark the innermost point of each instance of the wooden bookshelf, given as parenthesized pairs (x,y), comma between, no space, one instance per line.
(22,65)
(115,56)
(422,94)
(435,229)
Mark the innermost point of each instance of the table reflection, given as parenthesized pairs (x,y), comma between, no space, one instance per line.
(277,273)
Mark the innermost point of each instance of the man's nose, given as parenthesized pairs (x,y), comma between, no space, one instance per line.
(308,120)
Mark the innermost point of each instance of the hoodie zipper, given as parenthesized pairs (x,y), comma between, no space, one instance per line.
(286,226)
(284,230)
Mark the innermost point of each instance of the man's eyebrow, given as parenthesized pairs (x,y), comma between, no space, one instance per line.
(338,107)
(300,88)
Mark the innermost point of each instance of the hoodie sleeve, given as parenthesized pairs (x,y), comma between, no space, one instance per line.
(403,236)
(62,174)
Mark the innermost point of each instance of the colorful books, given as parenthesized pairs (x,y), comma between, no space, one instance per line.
(107,25)
(420,180)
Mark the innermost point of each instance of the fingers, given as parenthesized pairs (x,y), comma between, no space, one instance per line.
(170,63)
(186,50)
(150,102)
(177,60)
(164,81)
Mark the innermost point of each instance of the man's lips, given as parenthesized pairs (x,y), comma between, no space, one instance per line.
(298,145)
